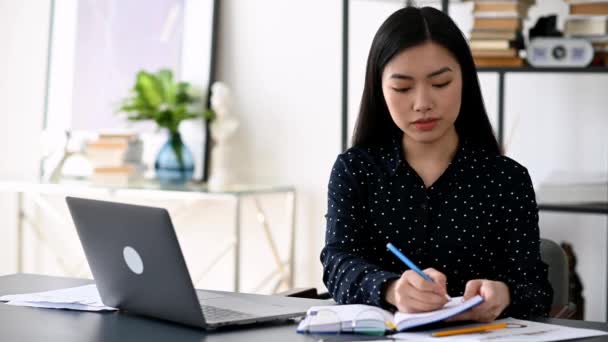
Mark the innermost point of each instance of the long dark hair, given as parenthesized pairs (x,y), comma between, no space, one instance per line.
(408,27)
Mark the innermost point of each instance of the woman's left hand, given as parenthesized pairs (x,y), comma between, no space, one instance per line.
(496,298)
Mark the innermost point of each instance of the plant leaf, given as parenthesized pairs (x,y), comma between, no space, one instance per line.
(165,77)
(150,89)
(158,97)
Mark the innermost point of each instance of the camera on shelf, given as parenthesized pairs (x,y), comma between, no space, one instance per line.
(559,52)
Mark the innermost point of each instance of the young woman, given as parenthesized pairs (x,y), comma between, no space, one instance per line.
(426,173)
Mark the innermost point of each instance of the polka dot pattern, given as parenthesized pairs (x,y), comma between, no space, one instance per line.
(478,220)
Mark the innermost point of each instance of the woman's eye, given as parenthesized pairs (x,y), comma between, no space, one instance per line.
(401,90)
(441,85)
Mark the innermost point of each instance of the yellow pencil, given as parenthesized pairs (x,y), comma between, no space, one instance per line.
(469,330)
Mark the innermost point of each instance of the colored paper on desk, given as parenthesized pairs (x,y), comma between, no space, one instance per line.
(367,319)
(82,298)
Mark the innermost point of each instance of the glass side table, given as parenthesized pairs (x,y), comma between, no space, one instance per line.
(36,192)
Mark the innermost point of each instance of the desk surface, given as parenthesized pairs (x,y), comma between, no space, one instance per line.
(32,324)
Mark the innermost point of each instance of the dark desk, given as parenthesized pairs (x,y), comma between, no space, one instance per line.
(24,324)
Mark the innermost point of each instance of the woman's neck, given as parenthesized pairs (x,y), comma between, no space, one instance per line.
(439,152)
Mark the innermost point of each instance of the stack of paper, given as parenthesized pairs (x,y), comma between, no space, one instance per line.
(517,330)
(573,187)
(84,298)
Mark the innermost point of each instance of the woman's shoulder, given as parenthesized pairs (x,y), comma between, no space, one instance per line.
(498,165)
(368,158)
(363,152)
(510,169)
(509,164)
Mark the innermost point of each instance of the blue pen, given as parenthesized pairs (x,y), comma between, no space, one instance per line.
(410,264)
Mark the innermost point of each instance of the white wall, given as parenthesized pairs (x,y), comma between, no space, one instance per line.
(23,42)
(283,60)
(23,37)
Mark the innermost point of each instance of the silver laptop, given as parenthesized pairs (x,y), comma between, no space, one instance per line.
(138,266)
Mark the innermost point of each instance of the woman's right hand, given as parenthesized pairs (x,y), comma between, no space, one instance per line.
(412,293)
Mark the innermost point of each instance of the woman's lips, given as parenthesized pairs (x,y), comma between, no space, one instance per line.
(425,124)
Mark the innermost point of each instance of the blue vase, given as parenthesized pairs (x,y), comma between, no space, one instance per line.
(174,162)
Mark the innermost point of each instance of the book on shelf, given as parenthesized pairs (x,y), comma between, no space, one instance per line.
(497,62)
(502,6)
(359,318)
(134,144)
(491,44)
(600,46)
(106,153)
(496,15)
(118,136)
(494,34)
(600,58)
(117,176)
(486,23)
(116,159)
(583,25)
(115,150)
(589,7)
(512,52)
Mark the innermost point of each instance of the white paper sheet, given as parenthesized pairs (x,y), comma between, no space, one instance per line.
(83,298)
(533,331)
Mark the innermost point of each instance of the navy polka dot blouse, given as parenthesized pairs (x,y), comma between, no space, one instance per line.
(479,220)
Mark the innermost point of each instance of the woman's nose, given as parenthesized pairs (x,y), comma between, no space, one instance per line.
(422,101)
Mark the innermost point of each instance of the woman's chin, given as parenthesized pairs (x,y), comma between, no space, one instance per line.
(435,135)
(428,137)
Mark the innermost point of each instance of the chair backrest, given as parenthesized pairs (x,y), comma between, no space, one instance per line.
(554,256)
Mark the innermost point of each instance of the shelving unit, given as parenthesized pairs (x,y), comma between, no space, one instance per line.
(590,208)
(580,208)
(527,69)
(583,208)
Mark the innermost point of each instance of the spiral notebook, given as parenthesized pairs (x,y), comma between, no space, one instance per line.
(359,318)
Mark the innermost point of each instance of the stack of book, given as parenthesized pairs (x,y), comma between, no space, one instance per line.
(116,159)
(589,20)
(497,37)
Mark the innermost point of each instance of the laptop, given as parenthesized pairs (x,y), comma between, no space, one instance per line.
(138,266)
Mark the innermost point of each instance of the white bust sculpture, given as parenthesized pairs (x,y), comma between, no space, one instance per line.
(222,129)
(224,125)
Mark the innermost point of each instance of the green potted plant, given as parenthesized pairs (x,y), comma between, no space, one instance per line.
(158,97)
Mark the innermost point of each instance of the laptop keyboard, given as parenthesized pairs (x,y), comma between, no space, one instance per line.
(215,314)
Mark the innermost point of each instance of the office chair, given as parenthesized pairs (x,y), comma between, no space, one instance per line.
(551,254)
(554,256)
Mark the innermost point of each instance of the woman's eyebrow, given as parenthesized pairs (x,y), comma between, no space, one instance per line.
(439,72)
(432,74)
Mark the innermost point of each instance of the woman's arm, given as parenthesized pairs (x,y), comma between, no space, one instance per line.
(521,288)
(522,268)
(349,272)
